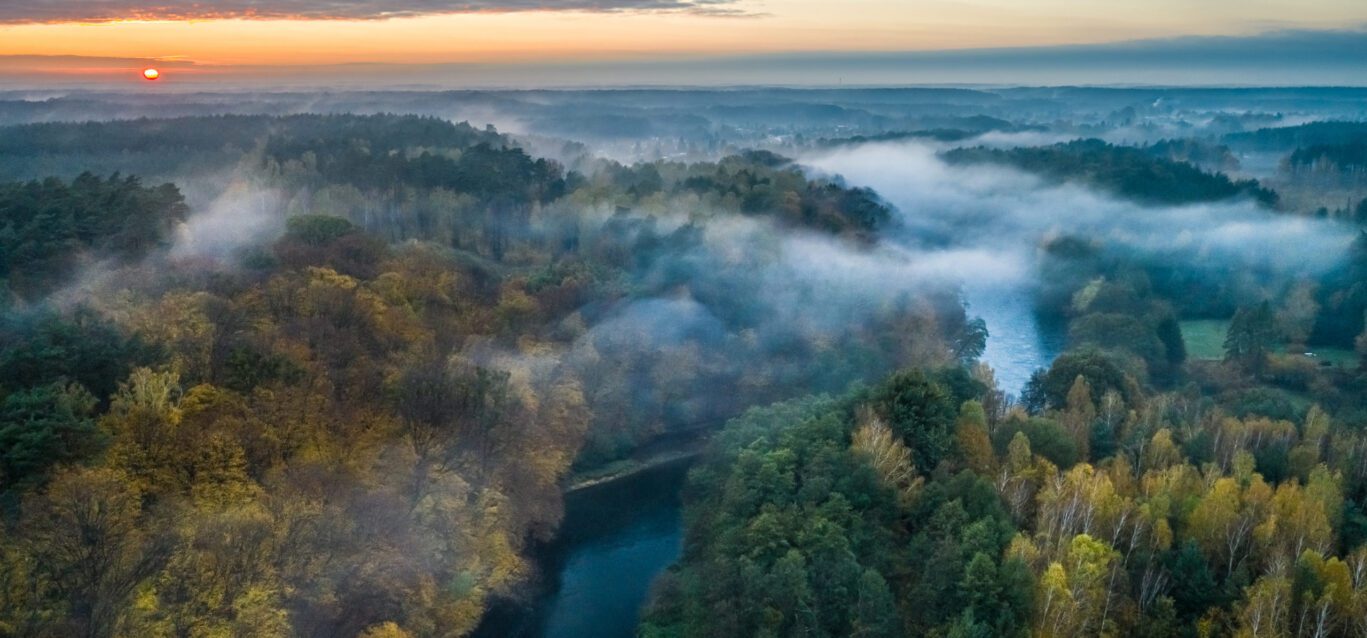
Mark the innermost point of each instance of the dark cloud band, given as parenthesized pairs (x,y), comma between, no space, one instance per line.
(50,11)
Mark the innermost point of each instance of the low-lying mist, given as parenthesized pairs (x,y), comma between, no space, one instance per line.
(984,227)
(989,221)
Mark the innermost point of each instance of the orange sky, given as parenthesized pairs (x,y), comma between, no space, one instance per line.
(776,25)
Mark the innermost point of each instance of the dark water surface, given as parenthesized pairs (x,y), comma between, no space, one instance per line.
(616,538)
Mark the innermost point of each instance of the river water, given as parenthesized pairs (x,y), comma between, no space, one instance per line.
(617,537)
(1018,344)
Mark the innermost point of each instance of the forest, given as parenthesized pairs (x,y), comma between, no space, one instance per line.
(1125,171)
(355,428)
(942,362)
(1125,494)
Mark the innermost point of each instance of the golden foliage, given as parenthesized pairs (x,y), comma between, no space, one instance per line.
(890,459)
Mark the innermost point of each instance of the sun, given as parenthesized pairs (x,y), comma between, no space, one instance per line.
(151,74)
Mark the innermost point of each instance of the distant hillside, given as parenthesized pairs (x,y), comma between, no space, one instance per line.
(1350,158)
(1290,137)
(183,145)
(1125,171)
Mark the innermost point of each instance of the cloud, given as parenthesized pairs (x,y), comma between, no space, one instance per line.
(947,207)
(55,11)
(1281,58)
(241,215)
(983,225)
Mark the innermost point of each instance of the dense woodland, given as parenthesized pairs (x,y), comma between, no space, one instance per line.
(355,428)
(1131,491)
(1148,178)
(1126,494)
(359,420)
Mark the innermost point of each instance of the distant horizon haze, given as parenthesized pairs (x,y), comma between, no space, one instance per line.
(618,43)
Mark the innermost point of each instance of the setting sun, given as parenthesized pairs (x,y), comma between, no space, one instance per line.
(151,74)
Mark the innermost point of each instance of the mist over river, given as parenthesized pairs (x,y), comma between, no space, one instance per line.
(617,537)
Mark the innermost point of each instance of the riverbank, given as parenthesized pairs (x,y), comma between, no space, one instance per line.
(621,529)
(627,468)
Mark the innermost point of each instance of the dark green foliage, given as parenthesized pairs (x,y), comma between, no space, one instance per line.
(790,532)
(1343,298)
(54,372)
(1126,171)
(178,145)
(1119,332)
(876,616)
(1271,461)
(959,530)
(1253,335)
(498,175)
(788,528)
(765,184)
(1170,333)
(1260,400)
(1203,154)
(380,134)
(1349,159)
(247,368)
(959,383)
(45,347)
(972,341)
(386,152)
(1100,369)
(999,595)
(921,411)
(1102,443)
(44,426)
(1033,398)
(1290,137)
(47,227)
(1194,589)
(1047,439)
(318,230)
(1354,531)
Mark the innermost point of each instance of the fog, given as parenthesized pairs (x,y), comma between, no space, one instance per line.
(752,246)
(981,227)
(991,211)
(241,215)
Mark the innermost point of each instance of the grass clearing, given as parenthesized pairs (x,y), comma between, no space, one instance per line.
(1205,341)
(1205,338)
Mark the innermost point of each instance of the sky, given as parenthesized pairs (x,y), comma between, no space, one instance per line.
(586,42)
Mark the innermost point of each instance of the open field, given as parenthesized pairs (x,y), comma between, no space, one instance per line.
(1205,340)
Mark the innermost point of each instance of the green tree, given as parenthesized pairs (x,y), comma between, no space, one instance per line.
(1252,336)
(876,616)
(42,427)
(921,412)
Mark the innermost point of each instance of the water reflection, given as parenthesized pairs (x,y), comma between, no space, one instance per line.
(615,539)
(1018,344)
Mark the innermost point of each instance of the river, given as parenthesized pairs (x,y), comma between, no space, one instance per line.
(615,539)
(1018,344)
(618,536)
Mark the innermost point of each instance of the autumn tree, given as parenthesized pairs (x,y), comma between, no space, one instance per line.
(91,547)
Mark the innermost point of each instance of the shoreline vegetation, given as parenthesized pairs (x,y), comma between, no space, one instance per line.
(625,469)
